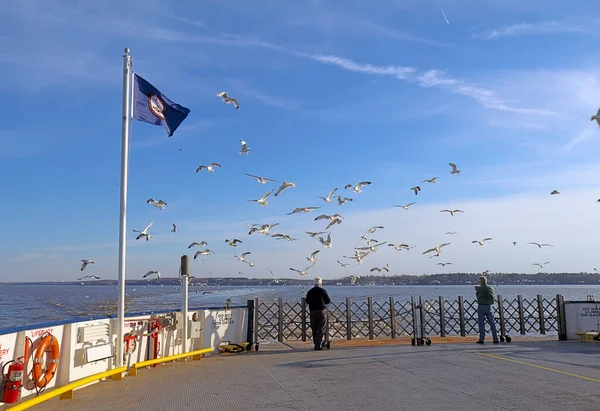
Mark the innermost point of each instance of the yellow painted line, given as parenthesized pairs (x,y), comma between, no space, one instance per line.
(541,367)
(66,388)
(141,364)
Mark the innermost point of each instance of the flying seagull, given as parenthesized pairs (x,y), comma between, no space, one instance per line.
(152,272)
(555,192)
(244,149)
(431,180)
(353,279)
(342,264)
(596,117)
(313,234)
(313,257)
(160,204)
(261,180)
(326,243)
(341,201)
(84,263)
(144,232)
(451,211)
(263,200)
(95,277)
(358,188)
(436,249)
(400,247)
(328,198)
(371,231)
(174,229)
(202,252)
(541,245)
(514,243)
(405,206)
(283,237)
(303,210)
(227,100)
(454,170)
(482,241)
(451,233)
(200,244)
(303,272)
(541,265)
(444,264)
(233,242)
(286,184)
(242,257)
(416,189)
(210,168)
(385,268)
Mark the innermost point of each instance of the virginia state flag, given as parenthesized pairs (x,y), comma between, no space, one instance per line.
(152,106)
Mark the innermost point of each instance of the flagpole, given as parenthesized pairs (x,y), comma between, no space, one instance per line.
(127,69)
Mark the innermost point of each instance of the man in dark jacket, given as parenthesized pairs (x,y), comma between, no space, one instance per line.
(317,300)
(485,300)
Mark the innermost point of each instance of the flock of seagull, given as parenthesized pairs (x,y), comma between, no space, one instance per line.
(323,237)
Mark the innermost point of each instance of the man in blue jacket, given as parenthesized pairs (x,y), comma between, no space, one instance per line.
(485,300)
(317,300)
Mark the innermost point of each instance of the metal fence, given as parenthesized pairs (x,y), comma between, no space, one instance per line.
(287,321)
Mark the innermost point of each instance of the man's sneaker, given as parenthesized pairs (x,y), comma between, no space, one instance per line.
(496,342)
(479,342)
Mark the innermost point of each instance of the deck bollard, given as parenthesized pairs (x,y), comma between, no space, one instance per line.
(370,316)
(250,334)
(348,318)
(521,314)
(256,322)
(280,320)
(392,318)
(501,316)
(560,317)
(461,316)
(540,304)
(441,304)
(303,317)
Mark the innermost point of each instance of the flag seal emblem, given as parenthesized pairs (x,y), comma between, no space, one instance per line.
(157,106)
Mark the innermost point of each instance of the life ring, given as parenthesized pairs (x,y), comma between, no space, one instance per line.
(42,379)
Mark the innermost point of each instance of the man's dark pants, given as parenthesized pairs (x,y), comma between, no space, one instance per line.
(317,325)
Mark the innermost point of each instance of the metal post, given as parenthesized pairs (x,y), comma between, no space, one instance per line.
(303,317)
(250,332)
(442,316)
(127,63)
(501,316)
(348,318)
(392,318)
(461,316)
(370,316)
(521,314)
(414,317)
(540,304)
(560,317)
(422,317)
(185,276)
(280,320)
(256,323)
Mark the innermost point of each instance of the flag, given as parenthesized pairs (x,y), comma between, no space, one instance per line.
(152,106)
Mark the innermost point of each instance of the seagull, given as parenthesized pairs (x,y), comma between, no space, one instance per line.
(174,229)
(370,248)
(431,180)
(95,277)
(353,279)
(451,211)
(144,232)
(482,241)
(357,189)
(436,249)
(405,206)
(400,246)
(514,243)
(303,272)
(328,198)
(152,272)
(416,189)
(303,210)
(370,231)
(242,257)
(244,149)
(451,233)
(313,257)
(283,237)
(385,268)
(370,241)
(261,180)
(341,201)
(265,228)
(160,204)
(342,264)
(275,280)
(596,117)
(206,292)
(444,264)
(326,243)
(233,242)
(202,252)
(358,257)
(84,263)
(286,184)
(454,169)
(313,234)
(263,200)
(226,99)
(541,265)
(541,245)
(333,222)
(555,192)
(210,168)
(200,244)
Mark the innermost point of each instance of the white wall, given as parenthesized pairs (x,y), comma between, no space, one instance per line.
(581,317)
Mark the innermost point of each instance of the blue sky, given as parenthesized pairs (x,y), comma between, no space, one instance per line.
(330,93)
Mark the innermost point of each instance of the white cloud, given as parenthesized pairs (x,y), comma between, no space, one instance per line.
(539,28)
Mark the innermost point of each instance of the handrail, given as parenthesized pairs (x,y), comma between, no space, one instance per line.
(196,354)
(66,388)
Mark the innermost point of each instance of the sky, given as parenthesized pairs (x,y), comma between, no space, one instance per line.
(331,93)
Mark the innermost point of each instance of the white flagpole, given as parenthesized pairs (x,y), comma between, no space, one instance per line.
(127,70)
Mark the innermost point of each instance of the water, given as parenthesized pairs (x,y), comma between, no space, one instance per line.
(22,305)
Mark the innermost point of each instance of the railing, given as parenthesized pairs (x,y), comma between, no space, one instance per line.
(285,320)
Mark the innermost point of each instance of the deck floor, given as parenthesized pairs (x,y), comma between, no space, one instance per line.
(539,375)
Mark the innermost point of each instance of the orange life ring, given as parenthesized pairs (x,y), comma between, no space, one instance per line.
(42,379)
